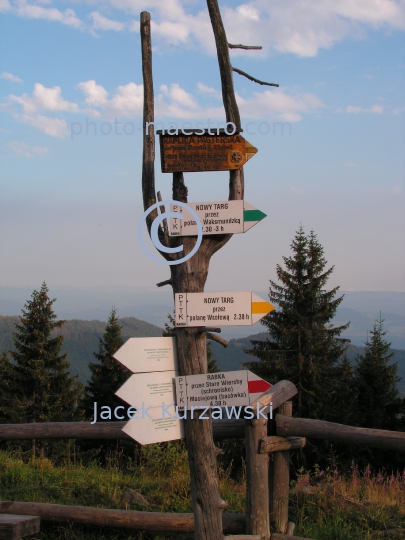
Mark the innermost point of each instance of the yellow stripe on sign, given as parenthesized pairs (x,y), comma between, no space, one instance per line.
(261,307)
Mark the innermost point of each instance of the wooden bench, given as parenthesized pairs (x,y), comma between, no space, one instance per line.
(16,527)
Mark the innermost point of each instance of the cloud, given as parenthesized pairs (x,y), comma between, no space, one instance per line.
(350,164)
(278,104)
(297,190)
(48,99)
(293,27)
(4,6)
(56,127)
(10,77)
(375,109)
(172,102)
(32,11)
(396,190)
(102,23)
(22,149)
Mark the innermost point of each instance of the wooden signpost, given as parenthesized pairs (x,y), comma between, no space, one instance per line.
(204,150)
(220,308)
(219,217)
(224,389)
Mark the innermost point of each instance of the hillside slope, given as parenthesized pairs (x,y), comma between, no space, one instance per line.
(81,339)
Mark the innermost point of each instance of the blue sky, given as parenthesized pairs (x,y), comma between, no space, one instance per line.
(70,204)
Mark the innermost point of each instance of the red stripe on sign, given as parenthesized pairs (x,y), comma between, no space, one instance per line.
(255,387)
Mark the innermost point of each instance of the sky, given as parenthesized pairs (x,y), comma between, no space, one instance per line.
(71,84)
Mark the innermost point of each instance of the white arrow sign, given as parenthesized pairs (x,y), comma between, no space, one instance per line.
(220,308)
(148,354)
(153,396)
(219,389)
(220,217)
(151,389)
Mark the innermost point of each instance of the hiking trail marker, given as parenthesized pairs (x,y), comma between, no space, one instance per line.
(154,364)
(221,308)
(203,150)
(220,217)
(224,389)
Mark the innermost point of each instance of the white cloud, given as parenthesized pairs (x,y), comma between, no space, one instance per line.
(47,99)
(350,164)
(279,104)
(172,102)
(297,27)
(297,190)
(32,11)
(396,190)
(10,77)
(4,6)
(22,149)
(56,127)
(102,23)
(375,109)
(204,89)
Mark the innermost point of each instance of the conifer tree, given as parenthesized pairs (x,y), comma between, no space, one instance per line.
(44,389)
(378,403)
(107,375)
(7,405)
(303,346)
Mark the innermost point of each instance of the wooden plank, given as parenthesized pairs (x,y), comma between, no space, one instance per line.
(279,482)
(243,537)
(208,151)
(279,444)
(14,527)
(257,489)
(126,519)
(277,394)
(279,536)
(223,429)
(319,429)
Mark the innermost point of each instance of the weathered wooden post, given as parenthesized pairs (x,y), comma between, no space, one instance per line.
(279,481)
(190,276)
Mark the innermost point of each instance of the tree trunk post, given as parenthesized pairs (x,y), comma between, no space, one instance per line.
(279,481)
(257,489)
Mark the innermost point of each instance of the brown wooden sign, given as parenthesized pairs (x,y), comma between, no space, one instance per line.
(204,152)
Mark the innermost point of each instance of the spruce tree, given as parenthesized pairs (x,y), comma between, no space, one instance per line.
(44,390)
(303,346)
(107,375)
(378,403)
(7,405)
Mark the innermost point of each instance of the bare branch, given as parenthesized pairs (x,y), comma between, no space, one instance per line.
(218,339)
(208,329)
(253,78)
(163,283)
(246,47)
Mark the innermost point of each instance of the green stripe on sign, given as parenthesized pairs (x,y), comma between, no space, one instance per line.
(253,215)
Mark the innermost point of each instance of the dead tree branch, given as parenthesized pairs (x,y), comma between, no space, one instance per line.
(218,339)
(246,47)
(253,78)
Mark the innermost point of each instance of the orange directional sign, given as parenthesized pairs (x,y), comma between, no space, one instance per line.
(203,151)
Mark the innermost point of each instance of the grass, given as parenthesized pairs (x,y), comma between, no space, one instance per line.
(329,506)
(323,505)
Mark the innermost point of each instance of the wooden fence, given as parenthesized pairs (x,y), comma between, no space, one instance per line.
(267,487)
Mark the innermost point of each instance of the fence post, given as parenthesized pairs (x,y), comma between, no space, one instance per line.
(257,489)
(279,481)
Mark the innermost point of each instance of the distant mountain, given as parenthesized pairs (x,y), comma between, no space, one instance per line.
(232,357)
(82,338)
